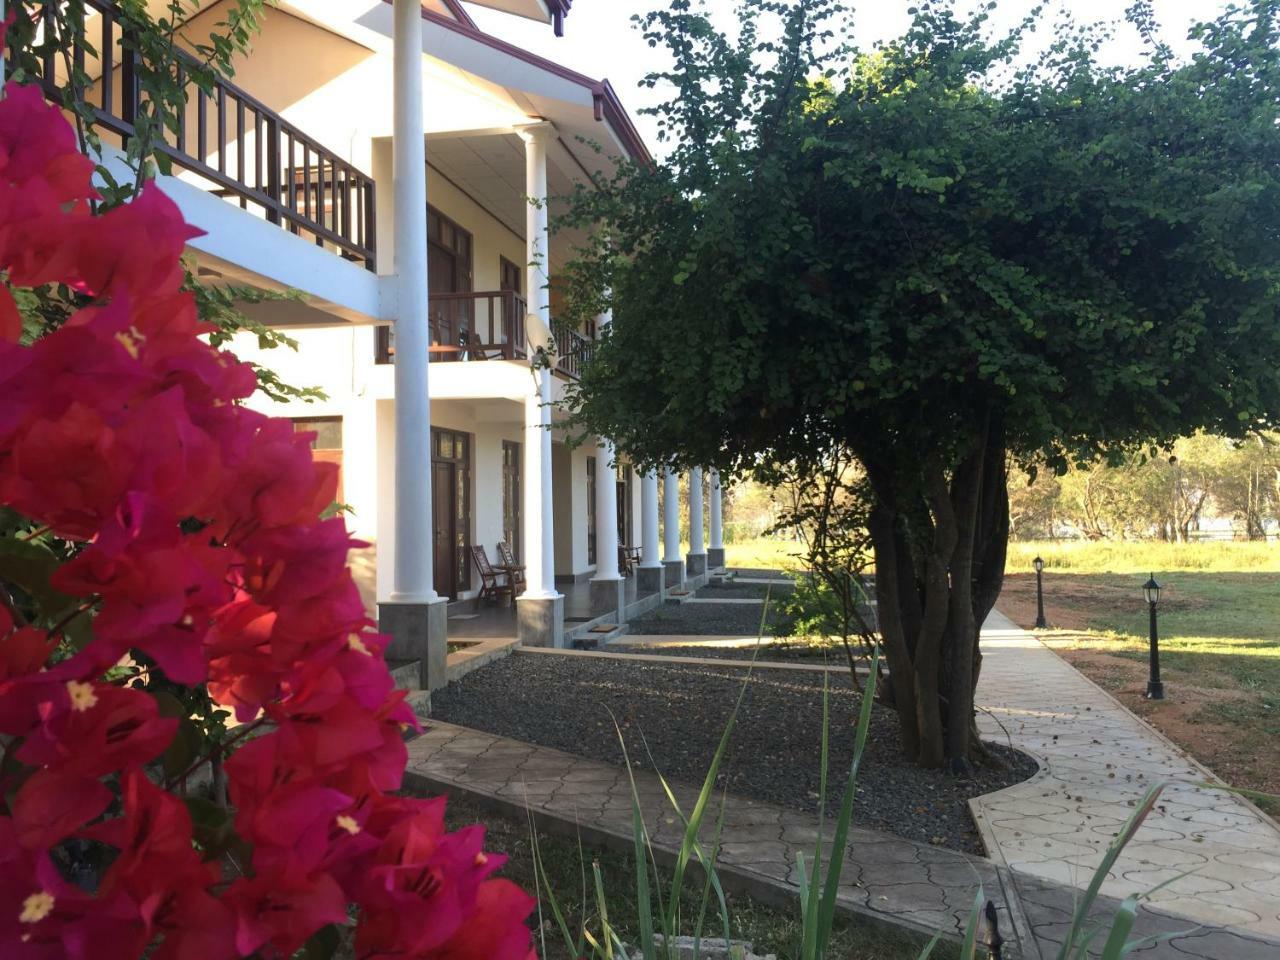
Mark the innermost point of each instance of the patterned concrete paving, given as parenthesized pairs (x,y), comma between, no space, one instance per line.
(1219,855)
(926,888)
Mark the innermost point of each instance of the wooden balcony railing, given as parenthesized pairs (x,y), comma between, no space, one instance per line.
(469,326)
(573,352)
(232,145)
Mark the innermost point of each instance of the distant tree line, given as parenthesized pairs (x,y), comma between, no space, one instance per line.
(1204,485)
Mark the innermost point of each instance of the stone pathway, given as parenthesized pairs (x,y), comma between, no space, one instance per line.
(1219,855)
(1044,836)
(923,887)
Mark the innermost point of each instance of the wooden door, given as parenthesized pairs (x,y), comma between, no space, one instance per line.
(443,524)
(451,510)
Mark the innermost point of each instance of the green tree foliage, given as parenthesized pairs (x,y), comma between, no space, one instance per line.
(1166,496)
(944,257)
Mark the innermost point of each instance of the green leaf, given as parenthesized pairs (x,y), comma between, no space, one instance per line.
(323,944)
(30,564)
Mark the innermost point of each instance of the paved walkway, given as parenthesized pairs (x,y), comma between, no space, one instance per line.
(1044,835)
(1099,759)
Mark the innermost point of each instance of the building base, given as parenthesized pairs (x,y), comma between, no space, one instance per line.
(695,564)
(609,597)
(648,580)
(674,573)
(540,621)
(715,558)
(418,631)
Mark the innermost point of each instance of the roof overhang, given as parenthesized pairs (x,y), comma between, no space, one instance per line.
(544,11)
(505,64)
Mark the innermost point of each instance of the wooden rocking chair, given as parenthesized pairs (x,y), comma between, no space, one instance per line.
(514,571)
(493,583)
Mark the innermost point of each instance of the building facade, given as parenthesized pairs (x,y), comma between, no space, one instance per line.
(394,168)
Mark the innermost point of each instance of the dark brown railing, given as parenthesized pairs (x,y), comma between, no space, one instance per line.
(239,147)
(469,326)
(573,352)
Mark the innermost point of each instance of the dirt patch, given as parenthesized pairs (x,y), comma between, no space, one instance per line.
(1073,601)
(1201,713)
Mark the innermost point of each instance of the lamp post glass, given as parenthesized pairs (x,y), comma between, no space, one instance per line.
(1155,688)
(1038,563)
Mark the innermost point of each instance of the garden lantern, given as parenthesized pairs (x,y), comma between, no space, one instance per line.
(1155,689)
(1038,563)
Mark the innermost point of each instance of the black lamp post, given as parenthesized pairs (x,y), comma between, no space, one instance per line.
(1038,563)
(1155,689)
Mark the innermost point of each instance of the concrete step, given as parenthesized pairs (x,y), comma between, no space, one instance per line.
(406,674)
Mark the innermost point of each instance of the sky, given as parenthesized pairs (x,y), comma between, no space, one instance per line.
(601,42)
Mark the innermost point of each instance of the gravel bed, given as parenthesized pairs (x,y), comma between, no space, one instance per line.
(681,708)
(740,591)
(761,573)
(716,619)
(769,650)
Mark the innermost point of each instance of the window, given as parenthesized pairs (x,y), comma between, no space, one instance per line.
(327,430)
(511,277)
(591,509)
(327,442)
(511,494)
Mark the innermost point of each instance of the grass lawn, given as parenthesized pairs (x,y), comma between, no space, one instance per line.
(567,865)
(1219,640)
(765,553)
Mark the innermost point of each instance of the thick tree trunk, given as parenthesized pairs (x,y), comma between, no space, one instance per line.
(939,568)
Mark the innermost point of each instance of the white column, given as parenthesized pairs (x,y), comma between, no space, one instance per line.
(649,520)
(540,554)
(606,494)
(670,516)
(717,512)
(696,543)
(413,580)
(539,523)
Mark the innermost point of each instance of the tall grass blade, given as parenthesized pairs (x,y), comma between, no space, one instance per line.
(643,850)
(827,911)
(1104,868)
(543,883)
(1121,924)
(810,948)
(969,947)
(694,823)
(927,952)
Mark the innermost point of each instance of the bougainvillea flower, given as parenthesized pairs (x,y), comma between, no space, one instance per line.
(97,729)
(496,929)
(284,909)
(52,805)
(38,146)
(204,554)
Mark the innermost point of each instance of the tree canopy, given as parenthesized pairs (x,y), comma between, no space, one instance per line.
(943,252)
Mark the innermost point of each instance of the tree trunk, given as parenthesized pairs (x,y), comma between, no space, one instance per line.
(940,556)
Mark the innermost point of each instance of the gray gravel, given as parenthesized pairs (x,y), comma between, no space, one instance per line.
(716,619)
(761,573)
(741,591)
(770,649)
(682,708)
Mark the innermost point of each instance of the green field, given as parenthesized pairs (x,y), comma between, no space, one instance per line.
(1127,556)
(764,552)
(1219,626)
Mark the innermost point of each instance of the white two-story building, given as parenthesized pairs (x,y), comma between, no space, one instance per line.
(396,167)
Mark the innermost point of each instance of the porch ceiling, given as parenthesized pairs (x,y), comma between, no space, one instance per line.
(490,167)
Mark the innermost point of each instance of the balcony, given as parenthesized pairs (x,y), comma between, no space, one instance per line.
(228,143)
(489,325)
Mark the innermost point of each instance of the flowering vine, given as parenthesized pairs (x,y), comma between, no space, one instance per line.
(198,548)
